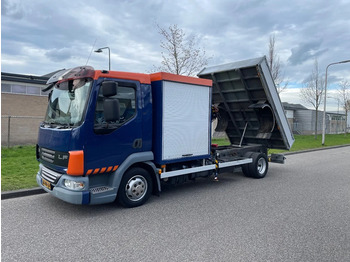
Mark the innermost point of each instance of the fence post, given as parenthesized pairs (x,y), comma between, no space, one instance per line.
(8,131)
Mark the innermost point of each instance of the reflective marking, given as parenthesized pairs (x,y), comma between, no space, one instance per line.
(101,170)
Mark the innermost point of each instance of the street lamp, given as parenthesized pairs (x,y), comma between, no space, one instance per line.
(109,55)
(325,96)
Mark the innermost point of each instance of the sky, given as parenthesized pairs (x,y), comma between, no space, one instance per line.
(41,36)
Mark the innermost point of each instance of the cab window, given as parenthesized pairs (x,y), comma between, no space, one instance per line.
(126,101)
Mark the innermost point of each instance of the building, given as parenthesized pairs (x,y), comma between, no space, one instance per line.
(302,120)
(23,106)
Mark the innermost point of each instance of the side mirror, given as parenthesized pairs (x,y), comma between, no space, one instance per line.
(110,113)
(111,109)
(110,105)
(109,88)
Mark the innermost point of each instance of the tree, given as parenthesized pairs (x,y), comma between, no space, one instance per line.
(182,55)
(344,98)
(274,64)
(313,90)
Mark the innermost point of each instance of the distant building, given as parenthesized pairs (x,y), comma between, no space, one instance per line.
(23,106)
(302,120)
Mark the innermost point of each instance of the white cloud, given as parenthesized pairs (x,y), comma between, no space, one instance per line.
(41,36)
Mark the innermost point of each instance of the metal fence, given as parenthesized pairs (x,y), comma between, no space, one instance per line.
(19,130)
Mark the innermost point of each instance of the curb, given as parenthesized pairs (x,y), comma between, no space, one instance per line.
(38,190)
(314,149)
(22,193)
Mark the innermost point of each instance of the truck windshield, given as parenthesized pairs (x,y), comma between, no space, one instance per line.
(67,103)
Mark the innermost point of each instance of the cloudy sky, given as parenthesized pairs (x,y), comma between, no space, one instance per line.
(41,36)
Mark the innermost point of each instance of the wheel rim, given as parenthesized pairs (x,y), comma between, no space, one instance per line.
(261,166)
(136,188)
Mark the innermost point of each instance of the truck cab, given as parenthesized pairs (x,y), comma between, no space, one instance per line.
(97,124)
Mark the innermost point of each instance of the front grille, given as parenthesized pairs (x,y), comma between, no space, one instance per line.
(50,175)
(58,158)
(48,155)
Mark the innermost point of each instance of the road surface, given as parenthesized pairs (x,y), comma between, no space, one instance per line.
(299,212)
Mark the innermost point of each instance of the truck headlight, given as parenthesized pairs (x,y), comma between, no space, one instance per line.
(74,185)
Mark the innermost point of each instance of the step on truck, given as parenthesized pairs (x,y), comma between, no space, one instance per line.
(110,135)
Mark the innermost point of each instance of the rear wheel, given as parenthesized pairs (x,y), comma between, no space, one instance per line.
(135,187)
(258,168)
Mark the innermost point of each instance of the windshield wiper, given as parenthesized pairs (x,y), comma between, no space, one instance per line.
(67,125)
(52,124)
(47,124)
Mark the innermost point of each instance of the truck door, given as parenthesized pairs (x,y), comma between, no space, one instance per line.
(117,131)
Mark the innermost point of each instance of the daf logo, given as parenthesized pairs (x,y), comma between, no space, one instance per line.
(62,157)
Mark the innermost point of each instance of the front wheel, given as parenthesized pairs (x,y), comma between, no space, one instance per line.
(135,187)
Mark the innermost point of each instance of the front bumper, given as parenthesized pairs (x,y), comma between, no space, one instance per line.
(87,196)
(60,191)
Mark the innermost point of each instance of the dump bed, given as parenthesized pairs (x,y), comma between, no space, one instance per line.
(249,107)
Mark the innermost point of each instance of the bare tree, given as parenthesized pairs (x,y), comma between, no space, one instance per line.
(182,55)
(344,98)
(313,90)
(274,64)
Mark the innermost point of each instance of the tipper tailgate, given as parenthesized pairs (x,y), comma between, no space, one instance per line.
(250,109)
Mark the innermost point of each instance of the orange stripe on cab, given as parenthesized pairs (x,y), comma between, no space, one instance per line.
(180,78)
(102,170)
(142,78)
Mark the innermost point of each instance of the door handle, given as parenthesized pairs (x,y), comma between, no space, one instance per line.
(137,143)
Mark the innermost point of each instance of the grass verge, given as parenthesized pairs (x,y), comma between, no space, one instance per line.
(309,142)
(19,165)
(18,168)
(303,142)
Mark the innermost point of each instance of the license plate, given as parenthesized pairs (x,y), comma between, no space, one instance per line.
(46,183)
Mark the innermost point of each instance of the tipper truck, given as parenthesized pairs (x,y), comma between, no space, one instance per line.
(110,135)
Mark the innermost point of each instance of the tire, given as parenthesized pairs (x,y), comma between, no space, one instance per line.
(258,169)
(135,188)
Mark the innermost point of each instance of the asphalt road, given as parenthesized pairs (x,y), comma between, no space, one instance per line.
(299,212)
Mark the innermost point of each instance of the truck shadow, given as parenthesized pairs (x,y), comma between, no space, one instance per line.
(206,186)
(200,184)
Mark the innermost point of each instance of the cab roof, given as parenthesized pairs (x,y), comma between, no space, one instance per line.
(88,71)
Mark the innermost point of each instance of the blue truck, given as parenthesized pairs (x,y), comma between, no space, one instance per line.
(110,135)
